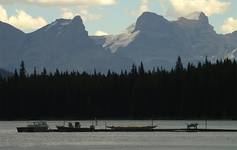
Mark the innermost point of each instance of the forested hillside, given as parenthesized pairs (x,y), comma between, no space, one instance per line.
(194,92)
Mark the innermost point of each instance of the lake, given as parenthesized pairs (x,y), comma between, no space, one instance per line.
(11,140)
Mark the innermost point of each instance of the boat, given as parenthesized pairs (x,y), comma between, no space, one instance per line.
(74,128)
(38,126)
(131,128)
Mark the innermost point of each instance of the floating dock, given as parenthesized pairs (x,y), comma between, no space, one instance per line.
(42,126)
(153,130)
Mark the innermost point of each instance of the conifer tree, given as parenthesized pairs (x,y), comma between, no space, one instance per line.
(179,64)
(22,70)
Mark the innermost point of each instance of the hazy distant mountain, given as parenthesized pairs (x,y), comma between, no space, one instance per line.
(65,44)
(152,39)
(10,41)
(157,41)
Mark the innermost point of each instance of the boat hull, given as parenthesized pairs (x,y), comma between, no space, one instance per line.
(132,129)
(68,129)
(32,129)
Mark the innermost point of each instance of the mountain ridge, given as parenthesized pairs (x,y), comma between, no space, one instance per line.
(160,41)
(65,44)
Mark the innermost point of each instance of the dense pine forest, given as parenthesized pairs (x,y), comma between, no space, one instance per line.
(203,91)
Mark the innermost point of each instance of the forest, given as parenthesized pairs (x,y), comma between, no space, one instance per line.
(203,91)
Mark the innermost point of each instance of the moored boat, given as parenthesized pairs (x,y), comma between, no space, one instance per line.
(38,126)
(131,128)
(75,128)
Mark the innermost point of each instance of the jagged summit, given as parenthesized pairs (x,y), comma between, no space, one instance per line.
(63,27)
(77,19)
(78,25)
(148,15)
(60,24)
(149,20)
(197,16)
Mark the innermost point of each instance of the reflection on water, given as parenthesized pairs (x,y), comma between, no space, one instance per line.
(11,140)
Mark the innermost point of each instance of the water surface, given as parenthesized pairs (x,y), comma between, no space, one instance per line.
(11,140)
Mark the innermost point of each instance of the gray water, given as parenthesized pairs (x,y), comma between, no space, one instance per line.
(11,140)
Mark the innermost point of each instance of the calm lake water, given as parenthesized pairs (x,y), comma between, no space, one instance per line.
(11,140)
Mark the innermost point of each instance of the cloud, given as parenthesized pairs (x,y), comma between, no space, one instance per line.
(100,33)
(209,7)
(61,2)
(68,14)
(143,7)
(83,12)
(3,14)
(229,26)
(22,20)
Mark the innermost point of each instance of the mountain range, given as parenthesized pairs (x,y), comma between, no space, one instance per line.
(65,44)
(158,42)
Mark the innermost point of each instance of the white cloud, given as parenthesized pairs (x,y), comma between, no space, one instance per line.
(83,12)
(209,7)
(100,33)
(61,2)
(22,20)
(3,14)
(67,14)
(143,7)
(229,26)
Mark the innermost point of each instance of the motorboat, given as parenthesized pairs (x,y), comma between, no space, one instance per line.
(75,128)
(37,126)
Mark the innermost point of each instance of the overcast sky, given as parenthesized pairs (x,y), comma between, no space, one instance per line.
(113,16)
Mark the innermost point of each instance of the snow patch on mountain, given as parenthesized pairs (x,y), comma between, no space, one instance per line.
(121,40)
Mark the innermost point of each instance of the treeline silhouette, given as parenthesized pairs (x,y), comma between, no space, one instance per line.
(202,91)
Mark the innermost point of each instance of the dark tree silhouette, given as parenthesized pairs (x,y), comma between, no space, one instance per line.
(22,70)
(205,90)
(179,64)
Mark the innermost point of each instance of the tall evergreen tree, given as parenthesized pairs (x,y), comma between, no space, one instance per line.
(141,69)
(22,70)
(179,64)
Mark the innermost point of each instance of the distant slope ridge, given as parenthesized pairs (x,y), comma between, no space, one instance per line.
(158,41)
(65,44)
(152,39)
